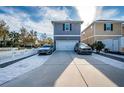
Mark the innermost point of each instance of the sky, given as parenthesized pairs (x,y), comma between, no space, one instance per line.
(39,18)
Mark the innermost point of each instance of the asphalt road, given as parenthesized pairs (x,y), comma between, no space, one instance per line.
(67,69)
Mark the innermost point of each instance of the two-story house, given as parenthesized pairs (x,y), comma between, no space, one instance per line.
(66,34)
(109,31)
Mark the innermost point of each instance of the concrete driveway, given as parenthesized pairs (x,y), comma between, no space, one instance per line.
(67,69)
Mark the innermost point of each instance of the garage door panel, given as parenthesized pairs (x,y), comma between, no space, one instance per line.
(65,44)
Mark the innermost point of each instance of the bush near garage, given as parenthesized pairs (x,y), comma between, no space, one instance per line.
(98,46)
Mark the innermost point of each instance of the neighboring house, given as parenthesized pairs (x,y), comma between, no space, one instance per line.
(108,31)
(66,34)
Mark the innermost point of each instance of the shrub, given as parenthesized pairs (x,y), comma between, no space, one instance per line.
(98,45)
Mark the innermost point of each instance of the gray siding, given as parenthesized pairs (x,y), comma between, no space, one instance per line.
(75,30)
(58,29)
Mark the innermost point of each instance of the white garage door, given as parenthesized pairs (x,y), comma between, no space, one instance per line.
(115,45)
(65,44)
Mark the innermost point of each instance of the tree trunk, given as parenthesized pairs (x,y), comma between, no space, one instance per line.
(4,41)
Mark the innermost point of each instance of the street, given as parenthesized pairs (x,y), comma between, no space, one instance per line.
(68,69)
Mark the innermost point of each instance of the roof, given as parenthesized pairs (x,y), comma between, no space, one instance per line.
(120,21)
(68,21)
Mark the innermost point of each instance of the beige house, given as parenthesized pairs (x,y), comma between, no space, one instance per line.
(101,30)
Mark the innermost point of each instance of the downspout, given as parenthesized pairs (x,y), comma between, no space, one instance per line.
(94,25)
(120,38)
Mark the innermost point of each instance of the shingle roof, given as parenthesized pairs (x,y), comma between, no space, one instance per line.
(109,21)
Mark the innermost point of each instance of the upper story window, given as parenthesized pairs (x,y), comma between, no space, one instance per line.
(108,27)
(67,27)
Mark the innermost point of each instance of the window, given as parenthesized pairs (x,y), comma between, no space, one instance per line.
(67,27)
(108,27)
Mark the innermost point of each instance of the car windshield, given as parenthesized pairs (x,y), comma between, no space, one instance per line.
(82,45)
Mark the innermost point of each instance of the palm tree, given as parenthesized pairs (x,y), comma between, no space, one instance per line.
(14,38)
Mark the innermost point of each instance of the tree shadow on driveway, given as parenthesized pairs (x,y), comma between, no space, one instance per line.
(46,75)
(113,74)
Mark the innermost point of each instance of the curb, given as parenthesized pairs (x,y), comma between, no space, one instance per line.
(113,57)
(14,61)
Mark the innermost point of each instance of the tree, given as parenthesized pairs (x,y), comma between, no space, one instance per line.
(14,38)
(4,31)
(33,37)
(33,34)
(48,40)
(23,36)
(28,38)
(98,45)
(23,32)
(43,36)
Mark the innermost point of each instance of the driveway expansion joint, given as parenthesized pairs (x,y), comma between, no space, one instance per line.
(80,73)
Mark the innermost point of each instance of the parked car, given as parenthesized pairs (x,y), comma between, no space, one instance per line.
(106,50)
(82,48)
(46,49)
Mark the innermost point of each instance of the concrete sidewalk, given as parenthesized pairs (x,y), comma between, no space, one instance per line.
(67,69)
(113,56)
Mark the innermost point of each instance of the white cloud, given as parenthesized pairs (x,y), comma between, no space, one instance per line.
(90,13)
(55,14)
(14,22)
(18,19)
(106,14)
(51,14)
(87,14)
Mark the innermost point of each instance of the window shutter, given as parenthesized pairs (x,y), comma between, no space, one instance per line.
(70,27)
(104,27)
(63,27)
(111,27)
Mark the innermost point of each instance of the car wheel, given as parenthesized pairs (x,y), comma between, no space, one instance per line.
(49,53)
(89,53)
(78,52)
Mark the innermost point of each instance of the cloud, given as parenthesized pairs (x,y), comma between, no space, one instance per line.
(16,18)
(19,18)
(106,14)
(55,14)
(87,14)
(14,22)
